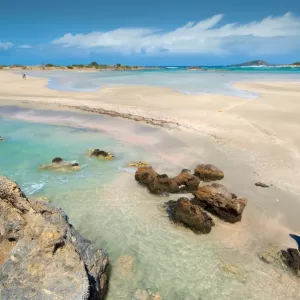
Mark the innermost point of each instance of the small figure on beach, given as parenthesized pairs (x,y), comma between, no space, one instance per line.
(24,76)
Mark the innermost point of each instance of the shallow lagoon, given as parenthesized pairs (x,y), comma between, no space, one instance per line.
(105,204)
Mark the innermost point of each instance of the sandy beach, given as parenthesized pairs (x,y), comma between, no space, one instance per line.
(262,131)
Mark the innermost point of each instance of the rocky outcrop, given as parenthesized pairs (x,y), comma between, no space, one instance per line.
(58,164)
(184,212)
(44,257)
(161,184)
(208,173)
(101,154)
(291,258)
(219,201)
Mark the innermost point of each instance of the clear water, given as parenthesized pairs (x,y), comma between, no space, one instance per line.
(190,82)
(108,207)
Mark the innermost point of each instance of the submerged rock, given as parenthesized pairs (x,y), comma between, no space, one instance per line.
(232,269)
(144,295)
(208,173)
(291,257)
(261,184)
(184,212)
(161,184)
(138,164)
(101,154)
(124,265)
(58,164)
(271,255)
(42,255)
(218,200)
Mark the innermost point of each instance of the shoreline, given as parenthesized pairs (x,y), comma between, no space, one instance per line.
(246,129)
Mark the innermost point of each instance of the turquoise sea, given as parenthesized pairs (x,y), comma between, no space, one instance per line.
(214,80)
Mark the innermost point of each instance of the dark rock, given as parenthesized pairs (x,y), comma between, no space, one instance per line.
(101,153)
(292,259)
(218,200)
(1,138)
(75,164)
(57,160)
(161,184)
(183,211)
(98,152)
(44,257)
(261,184)
(208,173)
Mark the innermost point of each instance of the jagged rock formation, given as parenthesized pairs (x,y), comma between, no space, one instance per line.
(58,164)
(184,212)
(101,154)
(217,200)
(208,173)
(291,258)
(161,184)
(42,255)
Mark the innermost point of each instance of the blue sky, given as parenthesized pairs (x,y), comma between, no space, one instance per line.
(165,32)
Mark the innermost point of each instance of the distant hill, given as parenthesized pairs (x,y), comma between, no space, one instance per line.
(296,63)
(252,63)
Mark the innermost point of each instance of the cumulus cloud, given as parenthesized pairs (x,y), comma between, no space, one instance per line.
(5,46)
(204,37)
(25,46)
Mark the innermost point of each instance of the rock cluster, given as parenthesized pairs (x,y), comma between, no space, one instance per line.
(101,154)
(161,184)
(214,198)
(42,255)
(58,164)
(217,200)
(190,215)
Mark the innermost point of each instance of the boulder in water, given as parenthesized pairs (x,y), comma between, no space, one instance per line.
(184,212)
(101,154)
(161,183)
(1,138)
(42,255)
(57,160)
(58,164)
(218,200)
(138,164)
(208,173)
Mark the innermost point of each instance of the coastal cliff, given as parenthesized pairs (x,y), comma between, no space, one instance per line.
(42,255)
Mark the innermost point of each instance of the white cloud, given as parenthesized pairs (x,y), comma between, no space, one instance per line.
(5,46)
(25,46)
(204,37)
